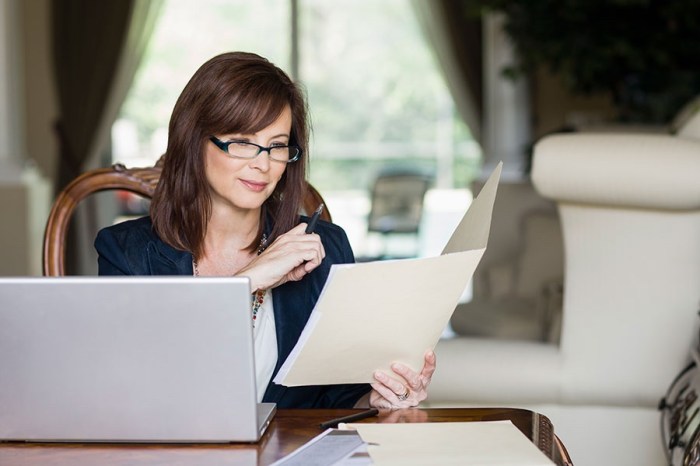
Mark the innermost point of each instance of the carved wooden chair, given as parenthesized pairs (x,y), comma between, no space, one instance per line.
(140,181)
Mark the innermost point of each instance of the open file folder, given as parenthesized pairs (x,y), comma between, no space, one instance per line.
(372,314)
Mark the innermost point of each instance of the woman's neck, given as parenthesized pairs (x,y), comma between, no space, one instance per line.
(229,232)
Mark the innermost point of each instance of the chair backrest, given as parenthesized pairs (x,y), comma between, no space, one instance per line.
(630,213)
(140,181)
(397,202)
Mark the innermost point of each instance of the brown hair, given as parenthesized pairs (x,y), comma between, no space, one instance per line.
(234,92)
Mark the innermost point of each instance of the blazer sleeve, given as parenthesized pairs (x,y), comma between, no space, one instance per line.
(343,396)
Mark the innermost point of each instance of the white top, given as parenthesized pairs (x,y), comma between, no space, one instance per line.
(265,337)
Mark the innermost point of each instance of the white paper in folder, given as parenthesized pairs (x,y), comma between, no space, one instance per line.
(494,443)
(372,314)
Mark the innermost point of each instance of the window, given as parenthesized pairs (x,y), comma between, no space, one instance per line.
(376,96)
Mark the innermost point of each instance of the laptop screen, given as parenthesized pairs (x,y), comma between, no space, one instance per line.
(127,359)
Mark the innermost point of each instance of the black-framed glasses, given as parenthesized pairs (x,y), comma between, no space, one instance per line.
(250,150)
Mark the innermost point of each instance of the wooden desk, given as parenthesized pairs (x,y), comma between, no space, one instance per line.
(289,430)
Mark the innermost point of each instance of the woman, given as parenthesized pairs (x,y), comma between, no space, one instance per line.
(227,204)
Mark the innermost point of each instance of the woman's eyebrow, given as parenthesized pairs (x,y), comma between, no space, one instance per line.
(247,136)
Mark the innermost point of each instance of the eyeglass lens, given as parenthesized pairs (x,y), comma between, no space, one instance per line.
(249,151)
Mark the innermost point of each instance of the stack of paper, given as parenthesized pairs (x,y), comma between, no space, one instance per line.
(372,314)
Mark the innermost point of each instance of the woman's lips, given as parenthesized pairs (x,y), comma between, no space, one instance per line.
(256,186)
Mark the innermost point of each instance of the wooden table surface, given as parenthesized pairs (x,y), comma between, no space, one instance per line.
(288,430)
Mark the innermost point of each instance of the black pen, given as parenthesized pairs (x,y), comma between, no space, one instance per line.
(314,218)
(352,417)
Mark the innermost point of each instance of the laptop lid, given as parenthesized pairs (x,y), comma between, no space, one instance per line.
(128,359)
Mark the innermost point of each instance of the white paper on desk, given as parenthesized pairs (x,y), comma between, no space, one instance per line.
(372,314)
(333,447)
(496,443)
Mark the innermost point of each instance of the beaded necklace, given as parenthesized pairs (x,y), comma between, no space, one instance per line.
(259,296)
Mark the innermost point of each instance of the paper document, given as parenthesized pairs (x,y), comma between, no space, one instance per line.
(473,230)
(370,315)
(496,443)
(331,448)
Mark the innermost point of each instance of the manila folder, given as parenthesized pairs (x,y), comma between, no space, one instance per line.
(370,315)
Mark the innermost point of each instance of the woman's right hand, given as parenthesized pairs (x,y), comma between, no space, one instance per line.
(289,258)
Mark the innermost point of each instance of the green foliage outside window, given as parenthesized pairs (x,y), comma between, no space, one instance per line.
(644,53)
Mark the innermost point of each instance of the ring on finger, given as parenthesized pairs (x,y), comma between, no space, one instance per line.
(404,395)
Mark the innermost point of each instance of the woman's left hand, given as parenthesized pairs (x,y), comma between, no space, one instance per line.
(405,388)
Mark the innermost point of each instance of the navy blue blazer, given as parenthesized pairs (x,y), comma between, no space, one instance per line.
(133,248)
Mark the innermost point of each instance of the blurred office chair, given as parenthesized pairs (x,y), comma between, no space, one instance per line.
(397,203)
(140,181)
(518,297)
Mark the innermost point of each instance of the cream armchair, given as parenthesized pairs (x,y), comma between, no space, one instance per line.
(630,211)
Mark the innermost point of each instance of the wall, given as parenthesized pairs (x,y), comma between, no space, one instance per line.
(506,126)
(28,147)
(41,108)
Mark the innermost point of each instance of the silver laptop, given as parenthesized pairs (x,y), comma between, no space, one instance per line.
(128,359)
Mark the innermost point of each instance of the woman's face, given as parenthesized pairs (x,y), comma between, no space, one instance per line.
(244,184)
